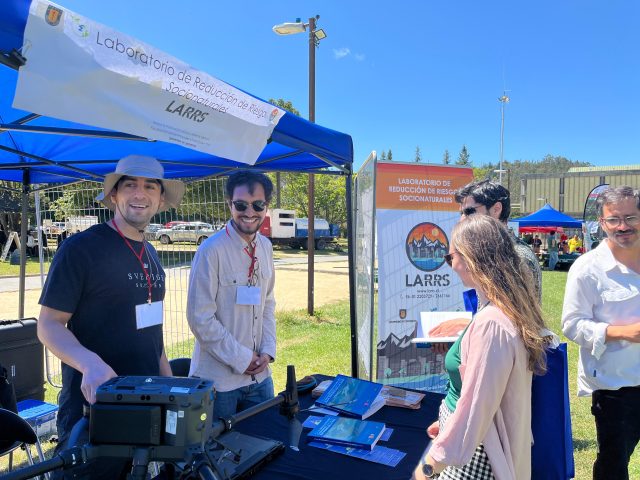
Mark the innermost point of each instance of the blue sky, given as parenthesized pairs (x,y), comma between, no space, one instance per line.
(396,75)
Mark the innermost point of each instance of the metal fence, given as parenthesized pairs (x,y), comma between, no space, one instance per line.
(64,211)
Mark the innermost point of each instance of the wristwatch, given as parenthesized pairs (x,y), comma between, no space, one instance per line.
(428,470)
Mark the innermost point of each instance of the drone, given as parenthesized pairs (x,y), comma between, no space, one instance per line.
(168,419)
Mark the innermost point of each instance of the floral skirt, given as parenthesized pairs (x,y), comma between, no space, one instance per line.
(478,468)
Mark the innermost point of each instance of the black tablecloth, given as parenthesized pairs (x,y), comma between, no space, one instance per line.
(313,463)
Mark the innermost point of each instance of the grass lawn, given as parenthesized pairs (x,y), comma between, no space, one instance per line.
(33,267)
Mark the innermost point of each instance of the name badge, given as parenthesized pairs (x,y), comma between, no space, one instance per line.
(247,295)
(148,314)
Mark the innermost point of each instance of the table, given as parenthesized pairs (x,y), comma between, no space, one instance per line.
(409,436)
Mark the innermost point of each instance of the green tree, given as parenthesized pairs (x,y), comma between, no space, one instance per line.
(517,168)
(464,157)
(418,157)
(389,155)
(383,157)
(446,159)
(285,105)
(276,178)
(330,190)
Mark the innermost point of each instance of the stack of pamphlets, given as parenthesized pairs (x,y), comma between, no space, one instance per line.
(399,397)
(391,396)
(352,397)
(348,432)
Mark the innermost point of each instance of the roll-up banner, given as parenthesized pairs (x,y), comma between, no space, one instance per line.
(415,213)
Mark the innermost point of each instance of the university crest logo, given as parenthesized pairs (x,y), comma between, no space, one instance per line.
(53,15)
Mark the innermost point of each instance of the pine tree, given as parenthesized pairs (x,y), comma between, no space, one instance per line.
(446,159)
(389,155)
(463,158)
(418,155)
(383,157)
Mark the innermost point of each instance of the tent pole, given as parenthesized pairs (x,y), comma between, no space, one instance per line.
(352,274)
(23,240)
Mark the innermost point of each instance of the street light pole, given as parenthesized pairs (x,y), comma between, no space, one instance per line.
(311,244)
(503,99)
(314,38)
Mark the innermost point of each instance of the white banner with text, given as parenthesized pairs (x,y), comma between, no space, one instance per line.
(82,71)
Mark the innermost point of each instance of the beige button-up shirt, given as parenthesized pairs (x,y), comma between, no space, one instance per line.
(226,333)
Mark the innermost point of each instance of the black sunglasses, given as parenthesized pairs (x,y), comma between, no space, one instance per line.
(257,205)
(465,212)
(449,258)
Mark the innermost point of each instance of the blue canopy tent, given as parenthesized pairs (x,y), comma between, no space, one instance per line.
(548,216)
(37,150)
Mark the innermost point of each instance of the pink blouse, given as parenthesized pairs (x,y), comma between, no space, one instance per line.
(495,402)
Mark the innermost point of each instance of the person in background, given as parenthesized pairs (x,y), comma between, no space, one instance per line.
(492,199)
(601,313)
(552,250)
(231,304)
(575,244)
(537,244)
(484,425)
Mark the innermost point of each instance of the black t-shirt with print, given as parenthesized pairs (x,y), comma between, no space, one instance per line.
(96,277)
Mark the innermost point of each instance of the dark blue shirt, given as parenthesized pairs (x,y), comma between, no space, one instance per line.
(97,278)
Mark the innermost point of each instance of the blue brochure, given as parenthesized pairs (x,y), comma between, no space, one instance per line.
(348,432)
(382,455)
(350,396)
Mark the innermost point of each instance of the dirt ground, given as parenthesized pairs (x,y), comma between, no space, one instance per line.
(331,285)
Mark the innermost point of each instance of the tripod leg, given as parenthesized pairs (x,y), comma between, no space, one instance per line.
(140,464)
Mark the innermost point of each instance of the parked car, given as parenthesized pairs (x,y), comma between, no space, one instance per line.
(55,228)
(192,232)
(173,223)
(150,231)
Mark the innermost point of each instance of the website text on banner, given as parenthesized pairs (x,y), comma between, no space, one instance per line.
(415,212)
(82,71)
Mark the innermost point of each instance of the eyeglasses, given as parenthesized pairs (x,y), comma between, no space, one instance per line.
(465,212)
(257,205)
(449,258)
(631,220)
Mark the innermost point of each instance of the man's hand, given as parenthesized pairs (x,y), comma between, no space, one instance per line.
(449,328)
(630,333)
(94,376)
(258,364)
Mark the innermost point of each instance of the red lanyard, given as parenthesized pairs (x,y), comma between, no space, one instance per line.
(251,255)
(138,256)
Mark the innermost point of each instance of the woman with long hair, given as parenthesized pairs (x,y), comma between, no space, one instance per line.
(484,426)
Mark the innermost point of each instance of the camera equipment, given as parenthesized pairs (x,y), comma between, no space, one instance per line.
(168,419)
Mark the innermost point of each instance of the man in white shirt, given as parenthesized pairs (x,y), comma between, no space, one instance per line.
(231,304)
(602,314)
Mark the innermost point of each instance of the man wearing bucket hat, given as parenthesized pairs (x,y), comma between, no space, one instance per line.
(102,302)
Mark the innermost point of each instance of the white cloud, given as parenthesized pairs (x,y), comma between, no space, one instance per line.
(341,52)
(359,56)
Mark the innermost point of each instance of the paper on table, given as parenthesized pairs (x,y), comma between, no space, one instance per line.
(430,320)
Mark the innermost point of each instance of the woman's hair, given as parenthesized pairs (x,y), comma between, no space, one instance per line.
(497,269)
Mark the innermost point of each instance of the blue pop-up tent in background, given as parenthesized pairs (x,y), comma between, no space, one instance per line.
(548,216)
(41,150)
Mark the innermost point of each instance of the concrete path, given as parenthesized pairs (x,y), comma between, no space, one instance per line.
(32,282)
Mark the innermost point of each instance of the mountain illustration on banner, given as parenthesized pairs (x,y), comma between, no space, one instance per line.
(426,246)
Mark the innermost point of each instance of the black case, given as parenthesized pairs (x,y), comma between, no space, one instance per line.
(22,354)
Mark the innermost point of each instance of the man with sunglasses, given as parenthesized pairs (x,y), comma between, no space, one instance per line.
(490,198)
(231,304)
(486,198)
(601,314)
